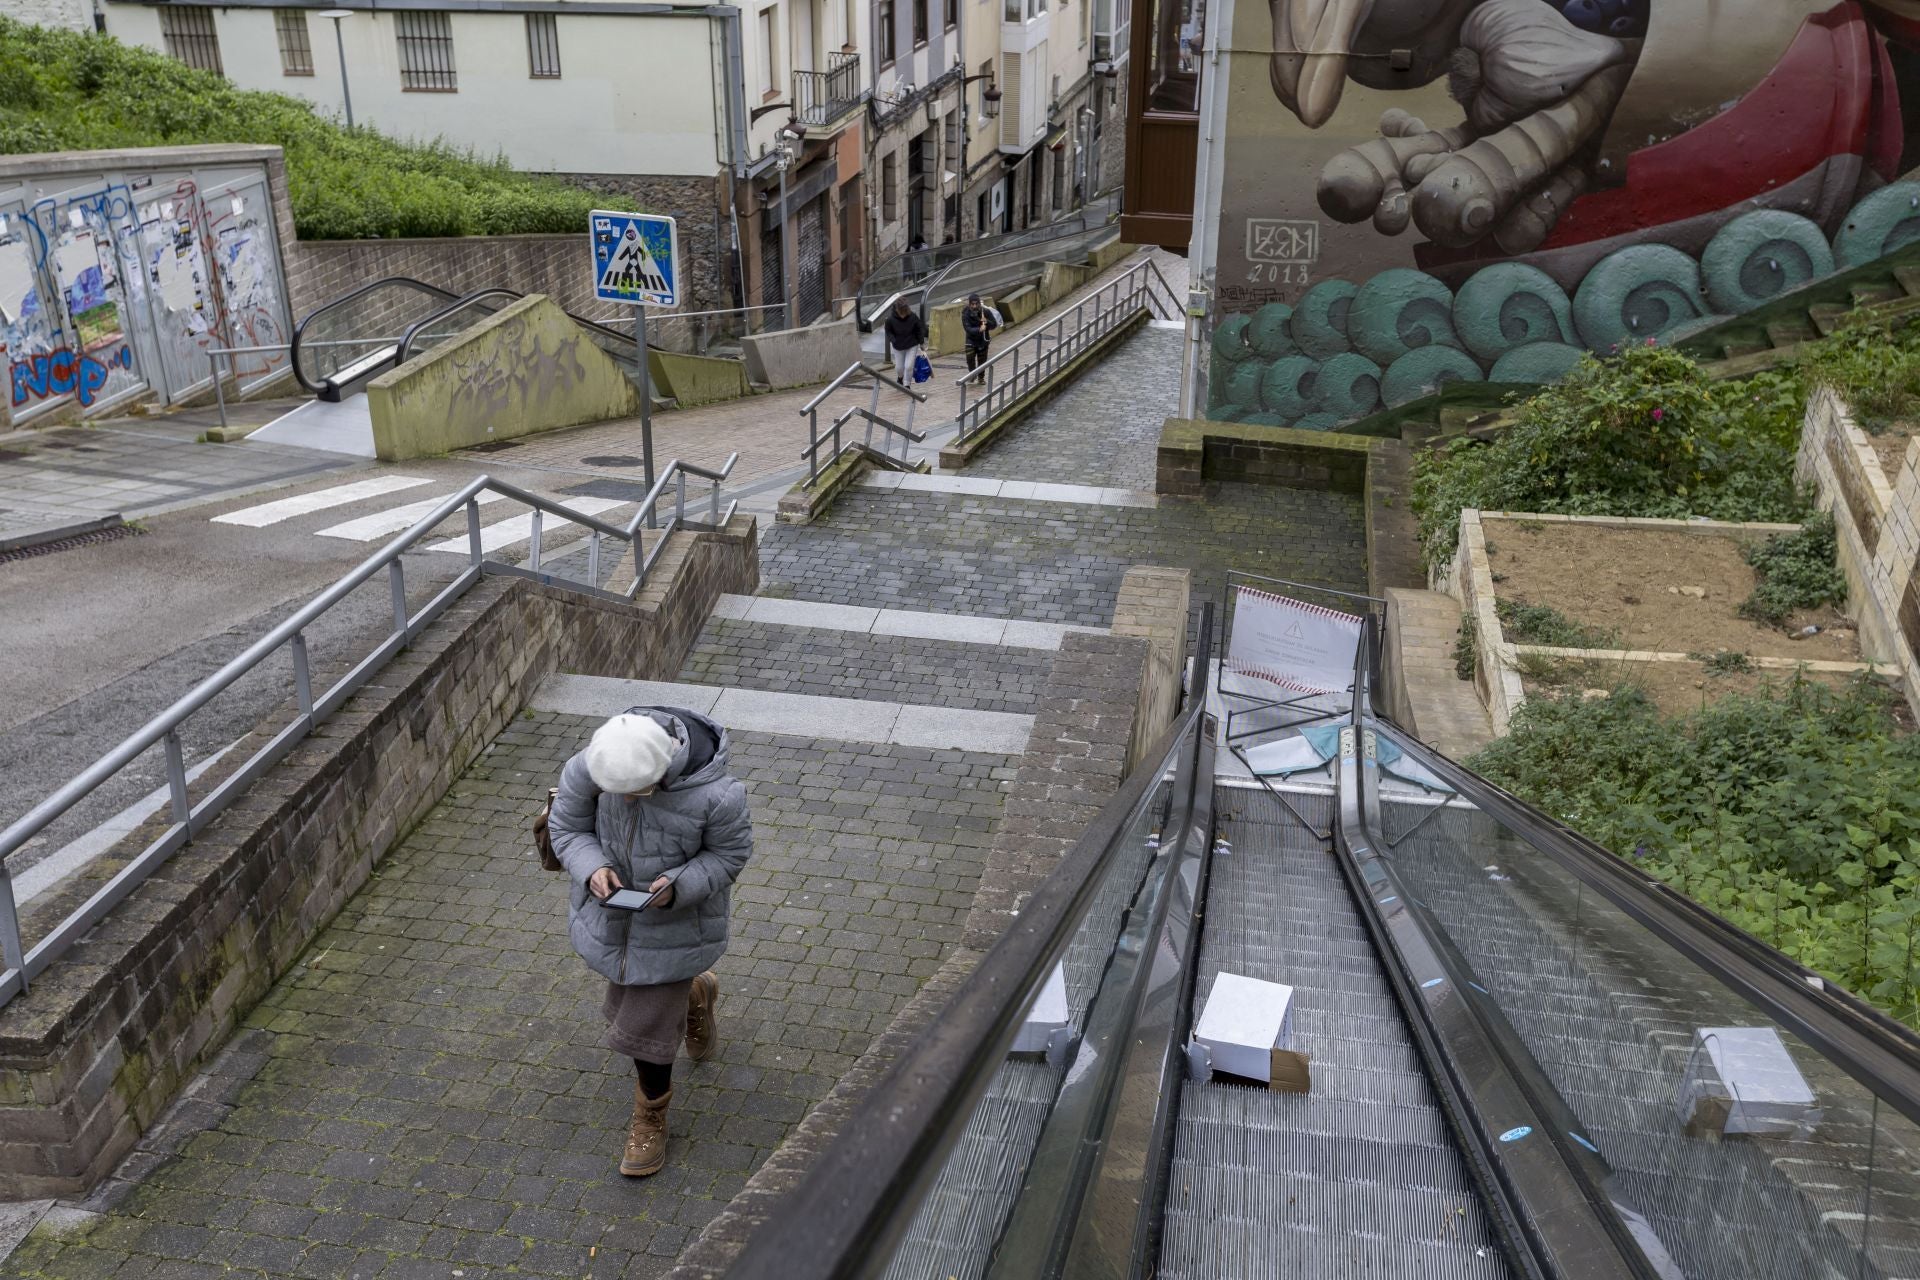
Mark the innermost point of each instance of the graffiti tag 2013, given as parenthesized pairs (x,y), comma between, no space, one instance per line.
(59,373)
(1486,190)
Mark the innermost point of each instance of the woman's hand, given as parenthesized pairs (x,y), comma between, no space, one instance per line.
(664,887)
(603,882)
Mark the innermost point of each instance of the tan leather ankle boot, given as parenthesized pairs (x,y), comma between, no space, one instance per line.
(702,1005)
(646,1151)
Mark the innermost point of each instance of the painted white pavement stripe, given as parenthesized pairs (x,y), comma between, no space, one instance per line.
(378,525)
(1011,633)
(504,533)
(797,715)
(319,500)
(975,486)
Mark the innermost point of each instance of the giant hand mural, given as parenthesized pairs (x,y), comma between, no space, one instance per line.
(1573,174)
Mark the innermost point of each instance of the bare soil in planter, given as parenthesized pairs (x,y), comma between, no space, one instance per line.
(1890,445)
(1677,688)
(1666,592)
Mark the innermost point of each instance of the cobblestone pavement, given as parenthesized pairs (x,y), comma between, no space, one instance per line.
(845,664)
(426,1095)
(1050,562)
(1106,430)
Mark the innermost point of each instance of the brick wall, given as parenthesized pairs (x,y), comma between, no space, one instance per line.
(100,1044)
(1876,522)
(1076,758)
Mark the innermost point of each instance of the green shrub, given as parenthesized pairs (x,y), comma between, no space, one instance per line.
(1793,812)
(1644,433)
(1796,571)
(1466,652)
(1544,624)
(63,90)
(1872,361)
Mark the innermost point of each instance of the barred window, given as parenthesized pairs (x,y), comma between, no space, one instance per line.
(426,52)
(188,31)
(296,50)
(543,47)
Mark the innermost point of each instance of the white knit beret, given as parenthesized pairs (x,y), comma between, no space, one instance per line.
(628,753)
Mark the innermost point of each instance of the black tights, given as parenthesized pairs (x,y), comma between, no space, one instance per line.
(655,1077)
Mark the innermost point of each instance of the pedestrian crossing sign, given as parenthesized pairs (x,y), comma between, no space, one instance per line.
(636,258)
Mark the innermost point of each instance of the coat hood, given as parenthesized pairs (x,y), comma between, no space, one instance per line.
(687,728)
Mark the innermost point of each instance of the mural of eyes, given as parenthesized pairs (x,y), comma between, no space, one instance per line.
(1888,219)
(1644,291)
(1761,255)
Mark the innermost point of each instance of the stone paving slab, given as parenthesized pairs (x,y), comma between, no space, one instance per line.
(425,1094)
(1051,562)
(1080,493)
(878,666)
(967,628)
(770,711)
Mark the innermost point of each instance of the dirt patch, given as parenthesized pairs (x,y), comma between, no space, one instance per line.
(1667,592)
(1677,688)
(1890,446)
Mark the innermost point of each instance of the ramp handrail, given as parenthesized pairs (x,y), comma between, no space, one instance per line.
(644,531)
(892,431)
(879,379)
(1037,356)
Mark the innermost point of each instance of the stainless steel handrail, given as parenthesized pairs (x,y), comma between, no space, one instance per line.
(879,379)
(906,436)
(214,353)
(1003,380)
(22,965)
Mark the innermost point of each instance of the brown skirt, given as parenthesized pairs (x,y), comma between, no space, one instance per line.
(647,1022)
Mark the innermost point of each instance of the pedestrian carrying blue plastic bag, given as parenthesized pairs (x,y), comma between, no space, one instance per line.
(922,369)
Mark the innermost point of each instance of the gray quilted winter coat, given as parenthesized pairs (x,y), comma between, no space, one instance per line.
(693,829)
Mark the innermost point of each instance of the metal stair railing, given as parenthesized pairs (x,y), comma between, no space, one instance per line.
(880,380)
(644,531)
(1007,377)
(892,431)
(436,297)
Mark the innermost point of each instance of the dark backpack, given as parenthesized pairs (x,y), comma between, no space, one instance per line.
(542,841)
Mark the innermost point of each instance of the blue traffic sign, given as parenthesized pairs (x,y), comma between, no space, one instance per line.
(636,258)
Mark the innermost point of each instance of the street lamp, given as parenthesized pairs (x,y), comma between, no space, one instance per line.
(787,144)
(340,47)
(989,110)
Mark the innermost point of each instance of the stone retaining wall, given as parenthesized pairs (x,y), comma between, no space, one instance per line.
(1076,758)
(1877,528)
(105,1038)
(1194,452)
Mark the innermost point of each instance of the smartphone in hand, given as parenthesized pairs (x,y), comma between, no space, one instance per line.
(629,900)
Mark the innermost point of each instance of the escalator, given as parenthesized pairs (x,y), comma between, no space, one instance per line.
(1527,1059)
(342,345)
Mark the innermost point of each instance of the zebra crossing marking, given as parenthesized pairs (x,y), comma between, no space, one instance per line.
(259,517)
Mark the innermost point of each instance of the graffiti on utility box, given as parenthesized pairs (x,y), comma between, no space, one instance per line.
(60,373)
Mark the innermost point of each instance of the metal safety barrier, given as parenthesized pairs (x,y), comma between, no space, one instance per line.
(645,532)
(880,380)
(1036,357)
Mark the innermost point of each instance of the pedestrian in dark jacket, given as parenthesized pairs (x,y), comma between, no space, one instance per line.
(649,806)
(905,332)
(976,323)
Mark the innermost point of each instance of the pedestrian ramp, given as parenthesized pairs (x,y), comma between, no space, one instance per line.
(344,426)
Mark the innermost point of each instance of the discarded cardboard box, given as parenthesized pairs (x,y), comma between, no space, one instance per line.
(1287,1072)
(1047,1015)
(1742,1080)
(1247,1029)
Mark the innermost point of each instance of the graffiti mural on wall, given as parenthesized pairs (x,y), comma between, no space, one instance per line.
(129,285)
(62,373)
(1495,187)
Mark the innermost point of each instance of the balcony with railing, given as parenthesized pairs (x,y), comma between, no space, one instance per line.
(822,97)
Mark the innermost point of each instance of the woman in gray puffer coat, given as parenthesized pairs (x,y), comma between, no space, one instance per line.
(649,805)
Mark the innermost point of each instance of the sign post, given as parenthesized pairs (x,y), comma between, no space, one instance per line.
(636,260)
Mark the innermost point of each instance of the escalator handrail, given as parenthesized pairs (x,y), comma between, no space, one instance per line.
(842,1220)
(1879,1052)
(300,330)
(458,305)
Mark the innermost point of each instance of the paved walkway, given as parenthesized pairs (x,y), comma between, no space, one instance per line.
(425,1094)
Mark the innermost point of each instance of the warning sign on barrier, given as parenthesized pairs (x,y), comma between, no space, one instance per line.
(1301,647)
